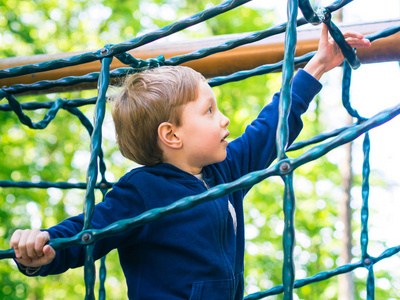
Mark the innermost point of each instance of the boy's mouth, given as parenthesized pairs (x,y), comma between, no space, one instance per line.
(225,136)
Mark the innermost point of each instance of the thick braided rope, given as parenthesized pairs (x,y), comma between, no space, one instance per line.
(283,168)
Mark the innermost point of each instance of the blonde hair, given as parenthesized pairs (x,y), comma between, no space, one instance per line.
(148,99)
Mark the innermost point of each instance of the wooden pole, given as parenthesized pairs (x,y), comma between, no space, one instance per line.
(346,290)
(249,56)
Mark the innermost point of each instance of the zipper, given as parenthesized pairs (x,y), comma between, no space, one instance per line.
(205,183)
(222,233)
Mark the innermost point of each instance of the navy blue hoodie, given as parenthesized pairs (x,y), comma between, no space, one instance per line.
(194,254)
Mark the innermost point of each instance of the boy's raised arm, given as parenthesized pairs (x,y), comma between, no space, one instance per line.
(329,55)
(31,249)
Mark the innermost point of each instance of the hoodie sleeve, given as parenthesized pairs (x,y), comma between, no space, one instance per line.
(122,202)
(256,148)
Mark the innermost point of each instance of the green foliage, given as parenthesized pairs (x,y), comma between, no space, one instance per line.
(61,151)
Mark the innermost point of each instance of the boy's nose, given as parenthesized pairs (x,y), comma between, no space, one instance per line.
(225,121)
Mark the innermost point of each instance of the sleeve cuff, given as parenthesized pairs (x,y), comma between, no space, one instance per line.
(30,271)
(305,85)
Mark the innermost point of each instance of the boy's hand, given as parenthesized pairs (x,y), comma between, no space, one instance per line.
(31,249)
(329,55)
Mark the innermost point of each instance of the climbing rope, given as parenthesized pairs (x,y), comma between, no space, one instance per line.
(284,167)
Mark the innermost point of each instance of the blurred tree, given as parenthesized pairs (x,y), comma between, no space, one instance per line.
(51,26)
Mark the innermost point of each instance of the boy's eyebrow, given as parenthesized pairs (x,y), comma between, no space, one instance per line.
(208,101)
(212,100)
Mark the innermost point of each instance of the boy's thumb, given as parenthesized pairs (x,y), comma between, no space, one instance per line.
(324,32)
(48,253)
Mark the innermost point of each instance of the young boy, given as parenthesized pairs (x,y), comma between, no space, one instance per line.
(167,119)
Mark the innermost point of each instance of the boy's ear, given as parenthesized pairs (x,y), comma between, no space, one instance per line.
(167,136)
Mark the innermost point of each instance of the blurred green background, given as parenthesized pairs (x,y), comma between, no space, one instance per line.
(61,151)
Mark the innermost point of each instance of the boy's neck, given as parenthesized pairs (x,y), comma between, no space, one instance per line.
(177,158)
(184,167)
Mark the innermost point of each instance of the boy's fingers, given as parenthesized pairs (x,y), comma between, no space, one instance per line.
(41,240)
(324,32)
(24,261)
(353,34)
(46,258)
(28,243)
(31,243)
(30,247)
(48,253)
(358,43)
(356,39)
(14,241)
(15,238)
(22,243)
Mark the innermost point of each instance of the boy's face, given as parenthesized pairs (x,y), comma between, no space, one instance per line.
(203,130)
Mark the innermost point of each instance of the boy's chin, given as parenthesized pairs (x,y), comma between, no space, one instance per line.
(216,160)
(222,158)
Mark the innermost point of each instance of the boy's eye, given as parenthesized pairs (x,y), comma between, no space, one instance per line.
(210,110)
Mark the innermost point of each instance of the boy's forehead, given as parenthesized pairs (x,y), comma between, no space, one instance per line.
(205,92)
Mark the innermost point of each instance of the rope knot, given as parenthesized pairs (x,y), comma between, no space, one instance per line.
(105,50)
(156,62)
(3,94)
(323,14)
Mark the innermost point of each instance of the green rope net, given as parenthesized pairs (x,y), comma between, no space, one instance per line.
(284,168)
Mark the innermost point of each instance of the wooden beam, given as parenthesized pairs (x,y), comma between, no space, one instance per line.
(245,57)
